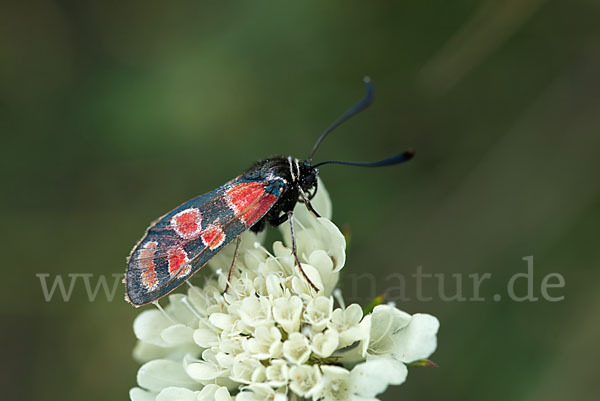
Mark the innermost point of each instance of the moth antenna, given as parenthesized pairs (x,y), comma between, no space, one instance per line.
(357,108)
(390,161)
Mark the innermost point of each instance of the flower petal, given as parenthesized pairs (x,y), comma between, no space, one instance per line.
(386,322)
(177,394)
(161,373)
(296,348)
(178,334)
(372,377)
(335,243)
(222,321)
(324,265)
(144,352)
(148,325)
(213,392)
(286,312)
(277,373)
(334,384)
(138,394)
(323,344)
(204,371)
(257,392)
(304,379)
(206,338)
(179,312)
(222,394)
(417,340)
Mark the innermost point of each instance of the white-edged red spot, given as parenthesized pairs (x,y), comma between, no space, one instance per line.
(147,266)
(178,262)
(249,201)
(213,237)
(187,223)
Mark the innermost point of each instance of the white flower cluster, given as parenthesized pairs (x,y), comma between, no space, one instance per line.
(271,336)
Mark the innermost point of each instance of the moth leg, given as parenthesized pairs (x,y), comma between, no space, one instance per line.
(306,201)
(312,195)
(290,216)
(238,241)
(279,220)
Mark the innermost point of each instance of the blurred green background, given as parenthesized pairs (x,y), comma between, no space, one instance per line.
(112,113)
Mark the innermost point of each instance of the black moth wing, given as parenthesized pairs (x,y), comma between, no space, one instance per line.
(182,241)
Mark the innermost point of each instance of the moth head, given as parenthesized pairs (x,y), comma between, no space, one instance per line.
(308,176)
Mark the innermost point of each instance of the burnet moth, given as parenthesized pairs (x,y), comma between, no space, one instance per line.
(182,241)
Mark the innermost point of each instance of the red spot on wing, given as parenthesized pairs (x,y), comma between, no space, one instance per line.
(178,262)
(213,237)
(240,196)
(249,201)
(253,214)
(147,266)
(187,223)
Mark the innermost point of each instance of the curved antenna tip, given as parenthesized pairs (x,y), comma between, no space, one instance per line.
(363,104)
